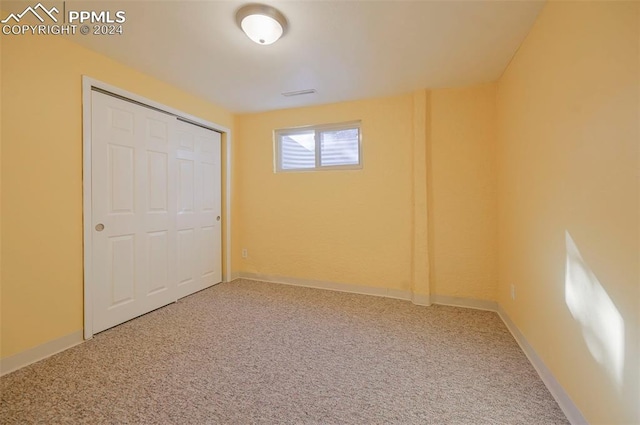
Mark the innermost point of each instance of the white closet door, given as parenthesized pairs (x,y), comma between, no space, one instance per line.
(134,234)
(199,251)
(155,209)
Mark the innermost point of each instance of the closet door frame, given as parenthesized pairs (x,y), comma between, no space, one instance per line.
(88,85)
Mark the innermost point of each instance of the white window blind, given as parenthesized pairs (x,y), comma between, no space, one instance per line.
(340,147)
(332,146)
(298,151)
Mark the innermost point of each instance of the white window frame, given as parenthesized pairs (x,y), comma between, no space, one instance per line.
(317,129)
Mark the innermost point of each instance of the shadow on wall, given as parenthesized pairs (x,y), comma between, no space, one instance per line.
(588,302)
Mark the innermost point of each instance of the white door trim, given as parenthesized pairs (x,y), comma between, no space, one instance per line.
(87,84)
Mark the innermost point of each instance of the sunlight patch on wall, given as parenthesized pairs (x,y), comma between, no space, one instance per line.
(591,306)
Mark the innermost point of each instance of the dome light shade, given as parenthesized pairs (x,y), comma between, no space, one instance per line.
(261,29)
(261,23)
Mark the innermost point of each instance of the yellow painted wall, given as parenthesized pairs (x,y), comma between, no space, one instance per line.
(339,226)
(557,154)
(357,227)
(1,38)
(568,125)
(42,179)
(463,196)
(561,141)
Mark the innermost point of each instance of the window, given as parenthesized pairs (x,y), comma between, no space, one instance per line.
(324,147)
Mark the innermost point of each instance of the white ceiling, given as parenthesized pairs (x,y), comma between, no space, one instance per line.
(344,49)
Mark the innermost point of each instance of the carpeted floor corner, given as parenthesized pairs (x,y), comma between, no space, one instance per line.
(259,353)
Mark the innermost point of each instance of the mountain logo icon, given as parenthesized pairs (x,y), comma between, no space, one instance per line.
(34,11)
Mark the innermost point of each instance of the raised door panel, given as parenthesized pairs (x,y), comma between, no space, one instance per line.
(186,256)
(157,131)
(186,186)
(158,178)
(209,192)
(121,171)
(208,250)
(121,278)
(158,255)
(186,140)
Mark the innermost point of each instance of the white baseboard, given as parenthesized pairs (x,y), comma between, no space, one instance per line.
(35,354)
(421,299)
(465,302)
(570,410)
(341,287)
(234,276)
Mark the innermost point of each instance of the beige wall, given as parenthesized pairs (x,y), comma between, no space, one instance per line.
(463,196)
(42,179)
(568,121)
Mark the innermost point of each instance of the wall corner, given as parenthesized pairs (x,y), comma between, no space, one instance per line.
(420,282)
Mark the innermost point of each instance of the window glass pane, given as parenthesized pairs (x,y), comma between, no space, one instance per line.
(298,150)
(339,147)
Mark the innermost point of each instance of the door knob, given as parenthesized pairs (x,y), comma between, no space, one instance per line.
(218,218)
(99,227)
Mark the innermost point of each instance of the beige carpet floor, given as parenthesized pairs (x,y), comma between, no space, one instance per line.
(258,353)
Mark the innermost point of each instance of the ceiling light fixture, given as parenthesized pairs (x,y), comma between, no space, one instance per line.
(263,24)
